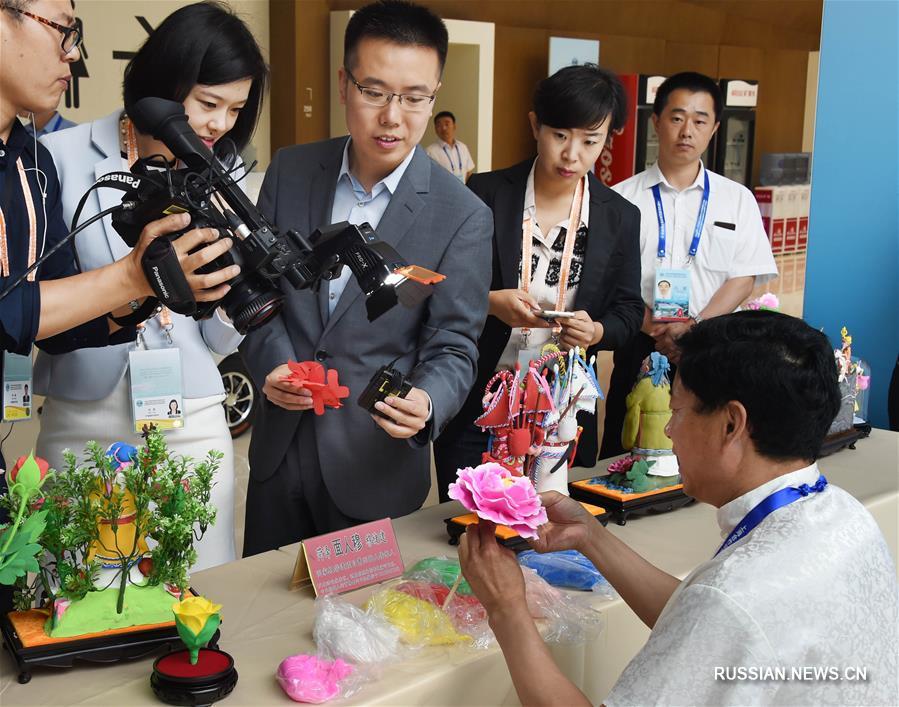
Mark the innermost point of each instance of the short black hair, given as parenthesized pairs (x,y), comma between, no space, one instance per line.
(664,282)
(694,83)
(203,43)
(444,114)
(397,21)
(778,367)
(581,96)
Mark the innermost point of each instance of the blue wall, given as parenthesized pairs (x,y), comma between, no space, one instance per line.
(852,274)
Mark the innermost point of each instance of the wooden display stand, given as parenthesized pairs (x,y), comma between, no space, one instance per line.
(623,505)
(505,535)
(847,438)
(29,645)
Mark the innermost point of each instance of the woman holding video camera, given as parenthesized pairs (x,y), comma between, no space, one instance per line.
(566,252)
(204,57)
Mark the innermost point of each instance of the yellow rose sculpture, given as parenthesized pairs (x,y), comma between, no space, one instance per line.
(197,619)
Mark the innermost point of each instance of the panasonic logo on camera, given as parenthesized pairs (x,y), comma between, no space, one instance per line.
(132,182)
(165,292)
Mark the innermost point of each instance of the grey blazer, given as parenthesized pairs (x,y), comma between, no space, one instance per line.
(83,154)
(433,221)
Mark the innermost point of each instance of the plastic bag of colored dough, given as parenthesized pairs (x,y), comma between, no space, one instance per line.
(568,569)
(343,630)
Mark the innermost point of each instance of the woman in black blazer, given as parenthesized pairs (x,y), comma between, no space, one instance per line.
(574,111)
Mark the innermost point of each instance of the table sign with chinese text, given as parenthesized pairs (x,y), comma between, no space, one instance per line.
(349,559)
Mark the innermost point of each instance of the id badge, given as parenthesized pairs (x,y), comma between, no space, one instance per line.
(17,387)
(156,391)
(671,296)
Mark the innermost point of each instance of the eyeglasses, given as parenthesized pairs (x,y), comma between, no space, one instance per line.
(71,36)
(412,102)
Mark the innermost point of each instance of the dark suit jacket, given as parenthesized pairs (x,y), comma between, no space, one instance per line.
(433,221)
(609,290)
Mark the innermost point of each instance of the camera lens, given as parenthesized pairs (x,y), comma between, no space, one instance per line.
(250,306)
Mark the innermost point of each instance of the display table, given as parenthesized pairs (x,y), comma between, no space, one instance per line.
(263,622)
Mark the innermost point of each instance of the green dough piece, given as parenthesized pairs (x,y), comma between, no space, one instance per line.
(439,569)
(97,611)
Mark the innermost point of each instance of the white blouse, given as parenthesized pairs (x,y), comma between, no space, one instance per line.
(546,262)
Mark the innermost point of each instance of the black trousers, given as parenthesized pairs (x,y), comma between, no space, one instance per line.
(294,502)
(627,361)
(456,452)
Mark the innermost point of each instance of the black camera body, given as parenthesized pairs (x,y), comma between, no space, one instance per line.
(267,257)
(386,382)
(253,296)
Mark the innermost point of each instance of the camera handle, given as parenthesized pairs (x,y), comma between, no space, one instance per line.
(160,265)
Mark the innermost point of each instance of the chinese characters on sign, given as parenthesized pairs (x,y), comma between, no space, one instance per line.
(352,558)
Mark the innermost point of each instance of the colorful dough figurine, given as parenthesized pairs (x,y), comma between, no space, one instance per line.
(651,465)
(532,416)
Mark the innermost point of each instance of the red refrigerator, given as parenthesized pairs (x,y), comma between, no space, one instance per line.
(635,147)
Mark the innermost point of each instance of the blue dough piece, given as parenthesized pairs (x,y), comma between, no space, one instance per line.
(567,568)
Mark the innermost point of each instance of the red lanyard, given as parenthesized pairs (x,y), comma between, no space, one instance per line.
(32,228)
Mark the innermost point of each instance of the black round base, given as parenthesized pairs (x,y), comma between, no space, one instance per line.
(210,681)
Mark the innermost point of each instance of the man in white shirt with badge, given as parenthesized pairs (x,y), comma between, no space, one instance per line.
(451,154)
(799,601)
(700,232)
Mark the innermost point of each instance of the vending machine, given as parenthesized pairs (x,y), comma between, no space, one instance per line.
(647,148)
(636,146)
(736,135)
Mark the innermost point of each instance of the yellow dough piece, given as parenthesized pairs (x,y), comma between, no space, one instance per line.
(419,621)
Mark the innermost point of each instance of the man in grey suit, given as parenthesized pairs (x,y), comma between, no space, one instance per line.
(314,474)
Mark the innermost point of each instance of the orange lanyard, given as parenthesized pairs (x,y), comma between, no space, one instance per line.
(129,140)
(527,246)
(32,228)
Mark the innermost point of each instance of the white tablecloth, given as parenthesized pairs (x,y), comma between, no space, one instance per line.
(263,622)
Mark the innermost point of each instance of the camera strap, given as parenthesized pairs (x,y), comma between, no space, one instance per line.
(164,273)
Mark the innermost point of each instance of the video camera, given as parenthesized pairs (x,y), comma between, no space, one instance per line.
(206,189)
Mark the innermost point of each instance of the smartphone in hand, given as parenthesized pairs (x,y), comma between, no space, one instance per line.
(551,315)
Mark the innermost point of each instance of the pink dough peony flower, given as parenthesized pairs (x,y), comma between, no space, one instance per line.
(308,678)
(491,491)
(767,301)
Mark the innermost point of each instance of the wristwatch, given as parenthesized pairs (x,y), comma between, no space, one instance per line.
(696,318)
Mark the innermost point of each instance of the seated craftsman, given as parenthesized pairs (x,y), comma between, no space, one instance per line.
(801,594)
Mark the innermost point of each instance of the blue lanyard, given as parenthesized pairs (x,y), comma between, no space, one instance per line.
(458,155)
(700,219)
(776,500)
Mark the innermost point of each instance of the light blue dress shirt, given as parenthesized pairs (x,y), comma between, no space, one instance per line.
(352,203)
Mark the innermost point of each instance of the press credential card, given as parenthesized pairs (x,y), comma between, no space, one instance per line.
(16,387)
(156,391)
(672,296)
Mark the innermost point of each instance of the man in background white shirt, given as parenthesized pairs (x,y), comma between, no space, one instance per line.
(802,593)
(451,154)
(732,252)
